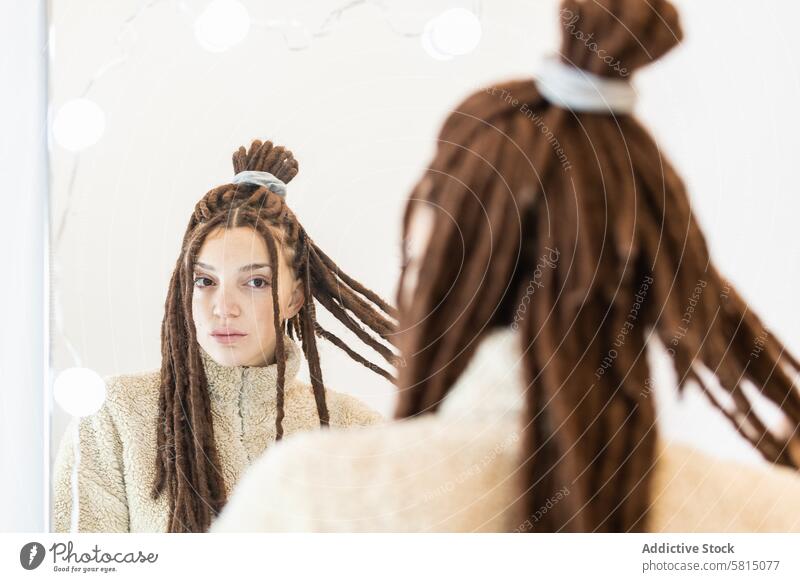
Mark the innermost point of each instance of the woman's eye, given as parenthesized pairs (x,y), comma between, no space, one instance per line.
(258,283)
(202,282)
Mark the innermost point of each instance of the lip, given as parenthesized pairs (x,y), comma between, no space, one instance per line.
(227,335)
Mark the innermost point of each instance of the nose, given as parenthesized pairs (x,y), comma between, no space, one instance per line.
(226,303)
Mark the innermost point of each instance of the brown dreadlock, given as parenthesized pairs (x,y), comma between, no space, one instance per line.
(620,220)
(187,465)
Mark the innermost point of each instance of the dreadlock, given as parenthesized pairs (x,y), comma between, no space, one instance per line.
(515,179)
(187,461)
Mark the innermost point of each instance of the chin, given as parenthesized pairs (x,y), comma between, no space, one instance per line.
(228,356)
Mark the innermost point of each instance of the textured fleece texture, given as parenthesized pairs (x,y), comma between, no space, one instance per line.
(118,443)
(455,471)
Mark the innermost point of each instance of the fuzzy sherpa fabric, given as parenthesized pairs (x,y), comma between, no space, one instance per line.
(118,443)
(456,471)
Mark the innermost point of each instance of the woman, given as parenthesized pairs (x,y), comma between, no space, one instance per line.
(167,447)
(527,388)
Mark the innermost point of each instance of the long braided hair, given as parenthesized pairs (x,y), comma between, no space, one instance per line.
(573,228)
(187,464)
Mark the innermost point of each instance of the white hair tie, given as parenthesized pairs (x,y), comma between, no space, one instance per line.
(261,179)
(572,88)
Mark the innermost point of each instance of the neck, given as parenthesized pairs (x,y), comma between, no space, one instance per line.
(269,361)
(224,381)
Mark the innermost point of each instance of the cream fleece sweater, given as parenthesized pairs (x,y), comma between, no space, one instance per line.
(455,471)
(118,443)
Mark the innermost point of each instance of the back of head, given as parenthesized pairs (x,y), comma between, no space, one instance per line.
(572,228)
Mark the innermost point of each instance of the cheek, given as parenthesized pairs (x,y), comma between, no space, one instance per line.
(201,308)
(259,309)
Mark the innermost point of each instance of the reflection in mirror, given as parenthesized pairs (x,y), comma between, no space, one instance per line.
(146,103)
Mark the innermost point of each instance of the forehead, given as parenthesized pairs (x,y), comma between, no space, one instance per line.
(233,246)
(233,243)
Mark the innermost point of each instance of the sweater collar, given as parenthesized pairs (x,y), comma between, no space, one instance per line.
(226,383)
(492,384)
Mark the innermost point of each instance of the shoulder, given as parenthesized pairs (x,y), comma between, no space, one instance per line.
(428,439)
(121,387)
(694,491)
(407,475)
(131,396)
(345,410)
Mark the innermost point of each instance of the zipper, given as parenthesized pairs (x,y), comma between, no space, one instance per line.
(241,414)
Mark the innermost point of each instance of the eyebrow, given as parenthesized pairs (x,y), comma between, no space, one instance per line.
(250,267)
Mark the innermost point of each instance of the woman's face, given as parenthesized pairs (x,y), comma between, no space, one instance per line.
(232,298)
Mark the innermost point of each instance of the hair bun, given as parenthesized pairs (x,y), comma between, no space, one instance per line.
(266,157)
(613,38)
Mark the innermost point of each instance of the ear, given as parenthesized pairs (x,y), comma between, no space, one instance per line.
(296,300)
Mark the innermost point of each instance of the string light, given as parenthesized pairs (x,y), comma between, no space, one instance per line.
(427,43)
(222,25)
(79,391)
(454,32)
(78,124)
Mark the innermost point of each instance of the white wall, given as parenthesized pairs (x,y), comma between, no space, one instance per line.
(360,109)
(24,418)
